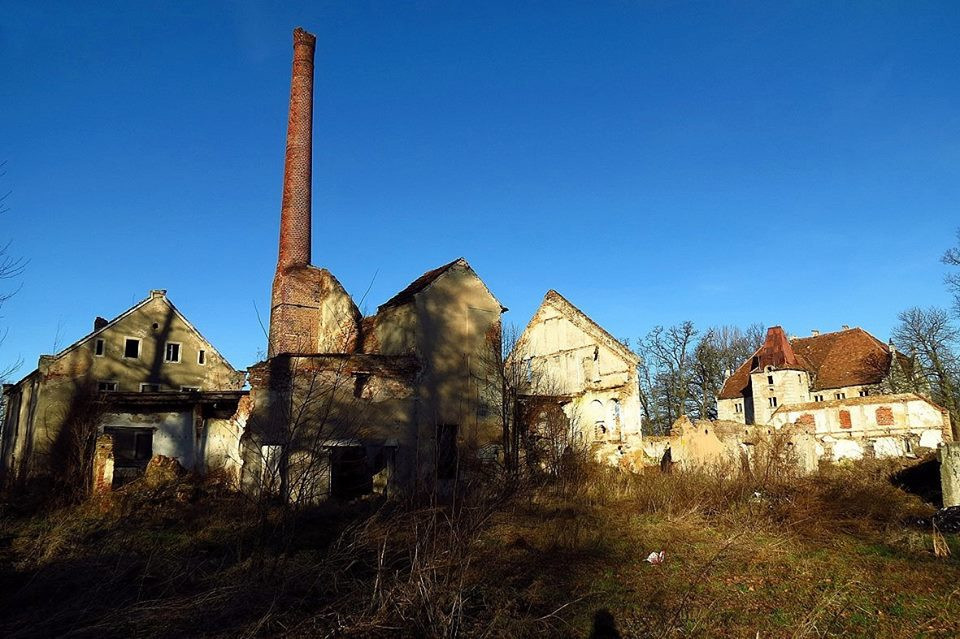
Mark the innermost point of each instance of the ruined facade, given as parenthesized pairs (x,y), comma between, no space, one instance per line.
(150,350)
(713,444)
(566,357)
(346,405)
(872,426)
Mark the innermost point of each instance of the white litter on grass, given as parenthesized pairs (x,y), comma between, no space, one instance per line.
(655,558)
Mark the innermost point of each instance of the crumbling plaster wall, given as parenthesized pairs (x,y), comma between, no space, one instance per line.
(560,358)
(876,416)
(309,404)
(174,434)
(789,387)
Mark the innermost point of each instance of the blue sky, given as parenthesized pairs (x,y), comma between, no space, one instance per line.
(730,162)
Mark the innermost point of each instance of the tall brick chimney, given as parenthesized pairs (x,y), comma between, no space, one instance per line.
(310,312)
(295,209)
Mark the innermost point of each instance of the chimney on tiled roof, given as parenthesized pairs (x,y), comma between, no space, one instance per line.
(815,332)
(295,209)
(846,327)
(99,323)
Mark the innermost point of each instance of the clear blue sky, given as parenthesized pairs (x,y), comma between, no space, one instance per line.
(725,162)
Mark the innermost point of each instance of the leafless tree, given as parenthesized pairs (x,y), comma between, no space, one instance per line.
(929,337)
(500,377)
(719,352)
(952,258)
(664,374)
(11,267)
(72,448)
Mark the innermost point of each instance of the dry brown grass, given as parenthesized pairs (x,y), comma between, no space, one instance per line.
(842,552)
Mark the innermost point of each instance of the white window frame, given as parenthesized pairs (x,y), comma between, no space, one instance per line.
(139,347)
(201,357)
(116,385)
(179,353)
(100,343)
(772,401)
(840,395)
(159,387)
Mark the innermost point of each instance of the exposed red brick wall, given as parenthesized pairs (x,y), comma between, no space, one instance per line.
(806,420)
(845,419)
(884,416)
(299,297)
(295,210)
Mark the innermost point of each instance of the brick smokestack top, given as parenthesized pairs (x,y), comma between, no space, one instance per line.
(295,210)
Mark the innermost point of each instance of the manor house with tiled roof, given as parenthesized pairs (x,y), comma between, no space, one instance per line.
(857,395)
(830,366)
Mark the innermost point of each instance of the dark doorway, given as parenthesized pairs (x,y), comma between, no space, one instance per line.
(132,450)
(446,451)
(349,473)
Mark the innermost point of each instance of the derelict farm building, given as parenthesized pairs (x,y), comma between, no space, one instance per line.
(346,405)
(568,359)
(149,361)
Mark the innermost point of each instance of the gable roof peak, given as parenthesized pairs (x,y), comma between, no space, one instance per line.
(568,309)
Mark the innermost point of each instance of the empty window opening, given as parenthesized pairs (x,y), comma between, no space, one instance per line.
(773,402)
(864,392)
(172,353)
(201,357)
(149,388)
(840,395)
(818,398)
(529,370)
(446,451)
(131,348)
(770,379)
(99,347)
(106,386)
(738,407)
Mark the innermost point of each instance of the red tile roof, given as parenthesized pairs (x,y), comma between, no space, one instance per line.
(851,357)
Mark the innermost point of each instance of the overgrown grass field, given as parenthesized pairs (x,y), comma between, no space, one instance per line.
(841,553)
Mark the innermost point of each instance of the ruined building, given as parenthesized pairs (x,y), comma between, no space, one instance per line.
(857,394)
(148,377)
(346,405)
(567,359)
